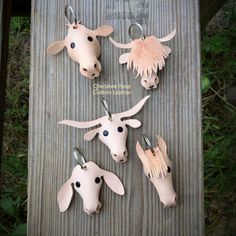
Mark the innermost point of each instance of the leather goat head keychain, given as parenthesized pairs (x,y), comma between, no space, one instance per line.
(112,130)
(157,167)
(147,55)
(82,45)
(87,179)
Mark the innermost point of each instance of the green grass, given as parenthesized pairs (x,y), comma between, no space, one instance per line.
(219,130)
(13,202)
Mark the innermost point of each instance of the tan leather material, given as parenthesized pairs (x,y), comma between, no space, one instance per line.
(87,182)
(160,175)
(113,133)
(83,47)
(146,56)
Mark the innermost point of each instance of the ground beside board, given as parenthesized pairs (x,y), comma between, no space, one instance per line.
(57,91)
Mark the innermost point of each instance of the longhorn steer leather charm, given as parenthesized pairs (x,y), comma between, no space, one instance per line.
(112,132)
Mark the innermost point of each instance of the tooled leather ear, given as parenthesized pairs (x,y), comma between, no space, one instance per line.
(103,30)
(55,47)
(91,134)
(162,145)
(64,196)
(140,152)
(134,123)
(124,58)
(113,182)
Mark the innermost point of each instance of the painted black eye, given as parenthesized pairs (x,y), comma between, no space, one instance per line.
(84,69)
(149,176)
(90,39)
(72,45)
(105,133)
(95,65)
(145,81)
(97,180)
(120,129)
(168,169)
(77,184)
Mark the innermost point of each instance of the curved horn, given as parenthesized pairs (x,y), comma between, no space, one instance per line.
(168,37)
(120,45)
(133,110)
(78,124)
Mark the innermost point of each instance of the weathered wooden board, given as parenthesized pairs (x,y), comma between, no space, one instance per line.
(57,92)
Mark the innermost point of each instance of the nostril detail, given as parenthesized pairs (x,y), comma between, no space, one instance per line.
(115,155)
(93,74)
(124,152)
(121,160)
(151,86)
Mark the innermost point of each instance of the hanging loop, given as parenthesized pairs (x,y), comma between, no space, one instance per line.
(140,28)
(79,157)
(149,145)
(106,109)
(69,12)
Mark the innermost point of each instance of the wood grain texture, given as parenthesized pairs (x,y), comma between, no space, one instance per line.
(57,91)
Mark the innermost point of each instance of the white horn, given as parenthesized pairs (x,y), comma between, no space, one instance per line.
(134,110)
(120,45)
(168,37)
(78,124)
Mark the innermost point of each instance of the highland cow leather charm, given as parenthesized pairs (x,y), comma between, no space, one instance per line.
(87,179)
(147,55)
(112,129)
(157,167)
(82,46)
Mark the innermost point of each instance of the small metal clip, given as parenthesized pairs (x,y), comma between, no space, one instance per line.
(69,11)
(149,145)
(106,109)
(79,157)
(140,28)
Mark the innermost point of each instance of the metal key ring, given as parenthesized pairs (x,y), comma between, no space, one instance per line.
(69,11)
(79,157)
(106,109)
(148,143)
(141,30)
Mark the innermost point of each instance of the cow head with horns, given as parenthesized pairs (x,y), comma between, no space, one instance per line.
(112,130)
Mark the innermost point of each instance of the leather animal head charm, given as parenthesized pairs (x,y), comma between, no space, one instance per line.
(157,167)
(147,55)
(82,46)
(87,179)
(112,130)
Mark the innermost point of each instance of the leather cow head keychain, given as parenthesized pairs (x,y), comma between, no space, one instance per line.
(147,55)
(82,45)
(112,130)
(157,167)
(87,179)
